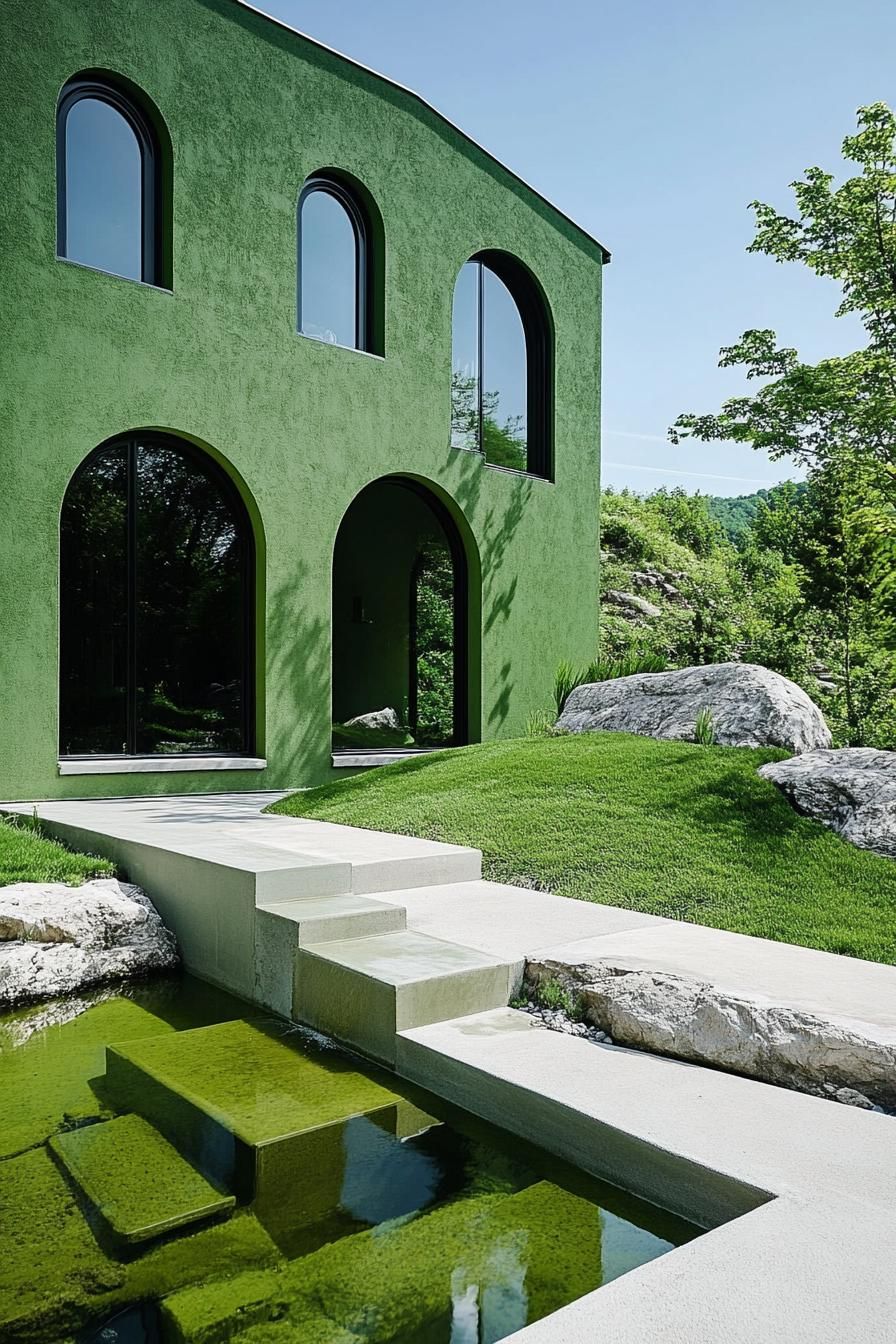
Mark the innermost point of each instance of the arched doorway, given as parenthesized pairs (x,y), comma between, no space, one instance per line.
(400,622)
(156,604)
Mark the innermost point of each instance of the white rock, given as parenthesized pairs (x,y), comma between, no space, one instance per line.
(54,939)
(376,718)
(693,1020)
(852,790)
(637,606)
(750,706)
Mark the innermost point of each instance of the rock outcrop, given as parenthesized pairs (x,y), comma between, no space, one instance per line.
(750,707)
(55,939)
(852,790)
(634,605)
(378,719)
(693,1020)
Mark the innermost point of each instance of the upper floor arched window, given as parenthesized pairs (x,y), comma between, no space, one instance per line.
(336,296)
(110,181)
(501,365)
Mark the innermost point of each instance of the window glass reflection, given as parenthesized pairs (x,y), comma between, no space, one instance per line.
(155,563)
(328,270)
(93,611)
(103,189)
(504,381)
(190,634)
(465,358)
(489,376)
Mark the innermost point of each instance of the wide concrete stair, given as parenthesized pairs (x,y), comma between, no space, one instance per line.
(303,917)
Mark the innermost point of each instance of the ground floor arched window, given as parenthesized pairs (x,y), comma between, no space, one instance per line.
(156,584)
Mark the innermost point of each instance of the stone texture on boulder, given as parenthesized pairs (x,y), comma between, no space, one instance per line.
(693,1020)
(55,939)
(750,706)
(377,718)
(630,602)
(852,790)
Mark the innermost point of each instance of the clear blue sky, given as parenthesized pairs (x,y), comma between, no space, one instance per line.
(653,123)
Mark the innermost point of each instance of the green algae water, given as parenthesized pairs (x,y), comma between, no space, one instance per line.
(175,1166)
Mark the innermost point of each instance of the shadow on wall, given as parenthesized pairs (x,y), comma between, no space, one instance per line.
(495,532)
(298,672)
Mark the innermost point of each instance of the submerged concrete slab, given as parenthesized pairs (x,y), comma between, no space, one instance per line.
(365,990)
(243,1099)
(138,1183)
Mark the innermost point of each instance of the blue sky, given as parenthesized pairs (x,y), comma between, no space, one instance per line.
(653,123)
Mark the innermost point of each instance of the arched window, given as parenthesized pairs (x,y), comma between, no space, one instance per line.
(501,376)
(109,183)
(334,265)
(156,623)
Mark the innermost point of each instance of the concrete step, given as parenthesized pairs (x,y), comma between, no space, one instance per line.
(249,1103)
(365,990)
(379,861)
(138,1183)
(283,927)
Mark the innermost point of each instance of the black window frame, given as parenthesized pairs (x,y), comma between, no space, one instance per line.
(152,252)
(132,443)
(539,340)
(364,297)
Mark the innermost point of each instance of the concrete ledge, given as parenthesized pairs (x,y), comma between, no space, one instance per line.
(793,1272)
(155,765)
(652,1124)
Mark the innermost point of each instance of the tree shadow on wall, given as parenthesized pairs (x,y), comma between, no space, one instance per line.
(298,663)
(495,529)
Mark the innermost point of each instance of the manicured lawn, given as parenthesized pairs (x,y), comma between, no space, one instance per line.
(28,856)
(684,831)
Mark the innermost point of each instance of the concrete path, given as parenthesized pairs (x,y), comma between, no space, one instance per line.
(398,947)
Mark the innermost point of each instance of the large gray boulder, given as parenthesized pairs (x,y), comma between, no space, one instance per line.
(378,719)
(852,790)
(750,706)
(55,939)
(694,1020)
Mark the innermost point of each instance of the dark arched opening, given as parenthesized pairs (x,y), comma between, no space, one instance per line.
(340,263)
(400,622)
(156,604)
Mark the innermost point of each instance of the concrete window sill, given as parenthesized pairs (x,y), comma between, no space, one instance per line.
(153,765)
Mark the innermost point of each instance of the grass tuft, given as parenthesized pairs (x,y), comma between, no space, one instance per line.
(28,856)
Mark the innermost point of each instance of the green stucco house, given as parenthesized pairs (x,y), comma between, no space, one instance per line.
(299,411)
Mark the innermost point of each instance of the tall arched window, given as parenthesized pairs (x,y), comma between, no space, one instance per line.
(109,183)
(156,623)
(334,265)
(501,366)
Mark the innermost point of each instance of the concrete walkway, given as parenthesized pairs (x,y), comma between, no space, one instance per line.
(398,947)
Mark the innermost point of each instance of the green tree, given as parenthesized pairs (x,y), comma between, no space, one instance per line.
(836,418)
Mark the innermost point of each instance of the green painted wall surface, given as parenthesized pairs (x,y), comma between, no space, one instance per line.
(252,110)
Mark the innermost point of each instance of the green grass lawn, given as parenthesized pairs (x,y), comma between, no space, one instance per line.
(672,829)
(28,856)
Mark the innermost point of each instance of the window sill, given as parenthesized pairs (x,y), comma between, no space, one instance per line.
(113,275)
(497,466)
(155,765)
(335,345)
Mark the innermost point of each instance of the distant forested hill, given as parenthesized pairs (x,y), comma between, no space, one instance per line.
(736,515)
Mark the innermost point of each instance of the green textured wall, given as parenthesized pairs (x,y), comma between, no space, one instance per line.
(252,110)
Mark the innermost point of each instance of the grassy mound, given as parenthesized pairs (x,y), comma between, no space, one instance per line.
(28,856)
(669,828)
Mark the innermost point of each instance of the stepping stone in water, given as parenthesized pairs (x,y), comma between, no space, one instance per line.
(139,1184)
